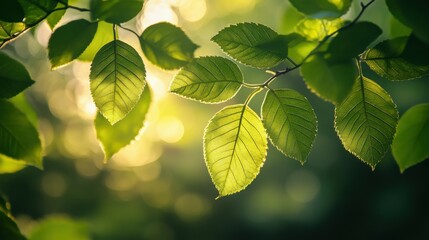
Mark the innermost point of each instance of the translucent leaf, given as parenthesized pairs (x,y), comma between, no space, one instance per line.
(58,227)
(18,137)
(399,59)
(366,121)
(290,122)
(410,145)
(208,79)
(317,29)
(167,46)
(10,165)
(114,138)
(14,78)
(7,30)
(352,41)
(103,36)
(414,14)
(56,16)
(117,80)
(330,80)
(115,11)
(252,44)
(11,11)
(235,147)
(36,10)
(322,8)
(69,41)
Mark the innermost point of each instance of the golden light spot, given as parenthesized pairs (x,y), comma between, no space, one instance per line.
(170,129)
(53,184)
(303,186)
(193,10)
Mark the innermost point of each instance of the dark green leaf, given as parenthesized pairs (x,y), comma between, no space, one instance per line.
(7,30)
(290,121)
(69,41)
(114,138)
(410,145)
(14,78)
(167,46)
(115,11)
(56,16)
(331,81)
(322,8)
(352,41)
(208,79)
(399,59)
(103,36)
(235,147)
(8,228)
(366,121)
(251,44)
(36,10)
(58,227)
(11,11)
(18,137)
(117,80)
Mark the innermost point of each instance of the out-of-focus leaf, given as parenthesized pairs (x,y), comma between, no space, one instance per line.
(11,11)
(167,46)
(103,36)
(63,228)
(115,11)
(117,80)
(410,145)
(56,16)
(114,138)
(208,79)
(235,147)
(322,8)
(36,10)
(330,80)
(8,228)
(399,59)
(18,137)
(7,30)
(252,44)
(317,29)
(366,121)
(14,78)
(291,17)
(69,41)
(290,122)
(10,165)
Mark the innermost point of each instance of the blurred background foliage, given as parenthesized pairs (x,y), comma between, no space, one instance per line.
(159,188)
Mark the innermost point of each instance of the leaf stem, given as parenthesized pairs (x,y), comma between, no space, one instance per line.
(251,95)
(129,30)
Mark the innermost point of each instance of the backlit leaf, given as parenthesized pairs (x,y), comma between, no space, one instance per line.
(235,147)
(58,227)
(252,44)
(56,16)
(322,8)
(10,165)
(208,79)
(115,11)
(290,122)
(103,36)
(366,121)
(36,10)
(410,145)
(117,80)
(114,138)
(167,46)
(11,11)
(8,30)
(317,29)
(14,78)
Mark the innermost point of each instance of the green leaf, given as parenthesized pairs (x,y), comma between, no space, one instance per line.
(36,10)
(10,165)
(329,80)
(115,11)
(103,36)
(290,122)
(14,78)
(117,80)
(366,121)
(414,14)
(167,46)
(322,8)
(410,145)
(249,43)
(114,138)
(235,147)
(69,41)
(399,59)
(317,29)
(208,79)
(56,16)
(298,47)
(352,41)
(8,228)
(11,11)
(59,227)
(18,137)
(8,30)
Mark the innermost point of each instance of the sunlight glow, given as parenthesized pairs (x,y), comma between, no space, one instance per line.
(156,11)
(302,186)
(170,129)
(193,10)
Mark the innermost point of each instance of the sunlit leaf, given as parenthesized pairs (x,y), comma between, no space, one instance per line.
(290,18)
(36,10)
(58,227)
(10,165)
(14,78)
(117,80)
(114,138)
(103,36)
(317,29)
(399,59)
(252,44)
(322,8)
(167,46)
(11,11)
(290,122)
(331,81)
(208,79)
(410,145)
(235,147)
(115,11)
(366,121)
(18,137)
(69,41)
(56,16)
(8,30)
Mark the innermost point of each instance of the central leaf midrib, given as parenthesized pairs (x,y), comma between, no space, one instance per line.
(362,88)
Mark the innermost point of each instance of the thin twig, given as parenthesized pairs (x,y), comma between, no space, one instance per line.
(129,30)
